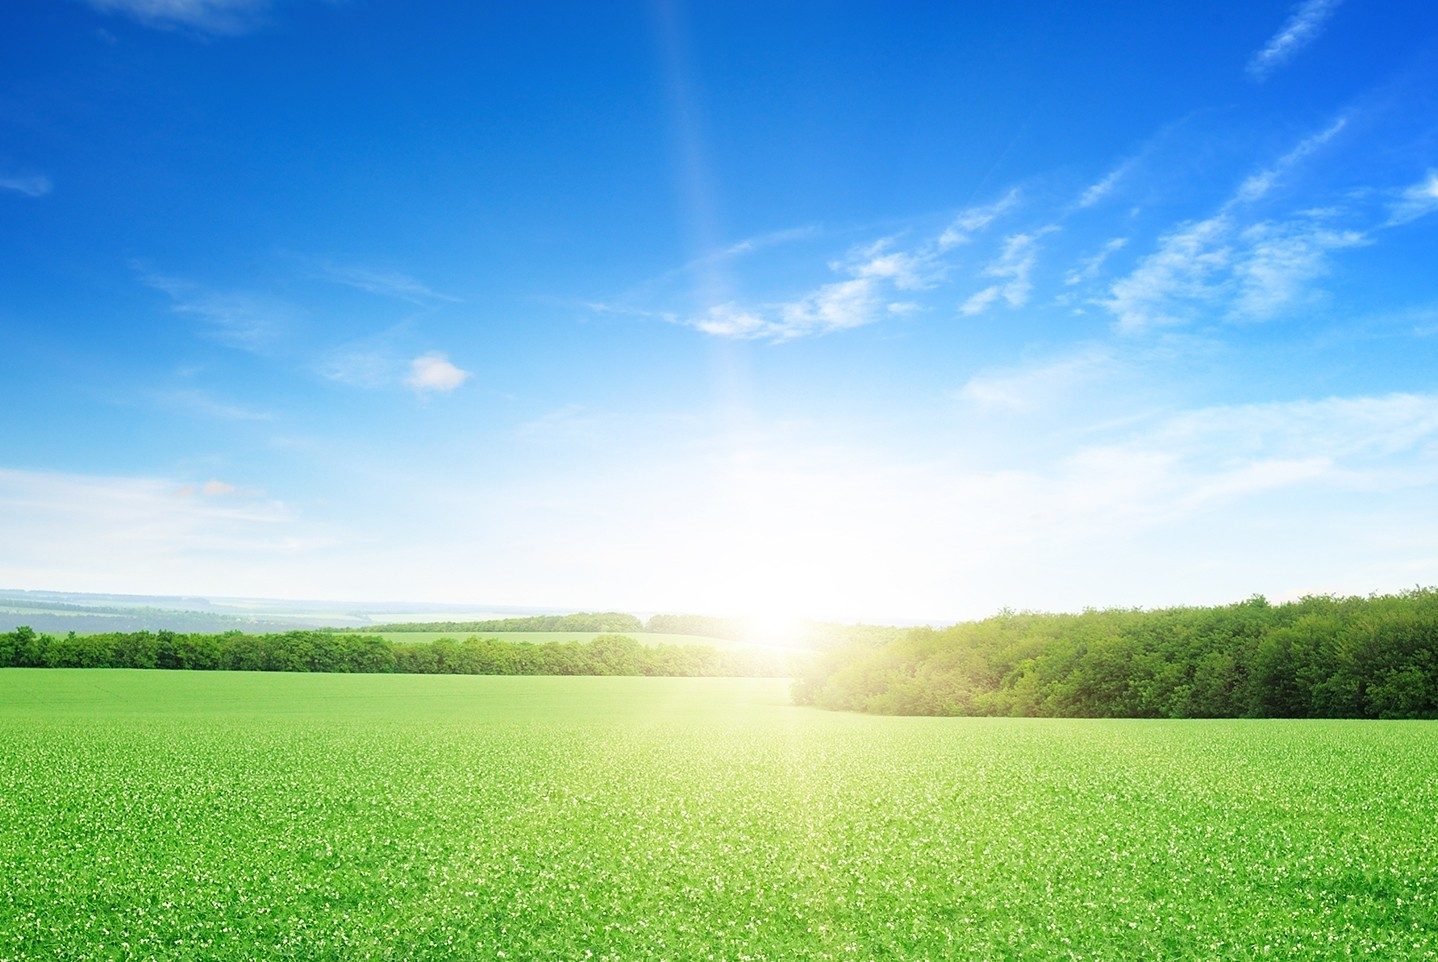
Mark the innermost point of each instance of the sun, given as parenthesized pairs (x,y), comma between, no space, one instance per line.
(774,629)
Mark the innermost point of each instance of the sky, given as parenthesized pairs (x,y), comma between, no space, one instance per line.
(852,310)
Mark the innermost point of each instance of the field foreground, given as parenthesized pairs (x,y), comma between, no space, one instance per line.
(148,814)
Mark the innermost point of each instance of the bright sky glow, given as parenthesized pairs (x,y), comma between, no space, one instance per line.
(883,314)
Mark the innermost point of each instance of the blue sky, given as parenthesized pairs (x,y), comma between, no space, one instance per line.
(848,310)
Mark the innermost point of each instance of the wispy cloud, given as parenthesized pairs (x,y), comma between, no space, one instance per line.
(1229,267)
(1107,185)
(907,270)
(360,365)
(1218,269)
(1013,269)
(840,306)
(1415,201)
(1239,262)
(434,372)
(706,265)
(1160,470)
(1102,188)
(1301,28)
(970,221)
(202,404)
(239,319)
(980,301)
(1278,263)
(1089,267)
(875,281)
(219,17)
(1034,386)
(1339,428)
(214,488)
(385,283)
(31,185)
(379,361)
(876,274)
(1259,184)
(759,242)
(97,532)
(1180,271)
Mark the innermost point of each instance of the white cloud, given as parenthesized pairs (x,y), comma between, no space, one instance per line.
(979,302)
(861,299)
(1014,268)
(1222,268)
(1278,264)
(1216,269)
(1180,272)
(1300,29)
(434,372)
(108,533)
(1416,201)
(1104,187)
(1089,267)
(1228,266)
(732,320)
(1348,431)
(1158,472)
(840,306)
(1259,184)
(206,16)
(907,270)
(1035,386)
(874,273)
(974,219)
(31,185)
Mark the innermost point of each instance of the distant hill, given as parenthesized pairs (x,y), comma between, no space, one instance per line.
(61,612)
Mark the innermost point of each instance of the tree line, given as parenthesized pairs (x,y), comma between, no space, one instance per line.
(323,651)
(96,620)
(1319,657)
(809,634)
(605,621)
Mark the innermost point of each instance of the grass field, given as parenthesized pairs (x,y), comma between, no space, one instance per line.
(643,637)
(240,816)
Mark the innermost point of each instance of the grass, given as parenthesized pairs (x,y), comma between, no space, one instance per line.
(643,637)
(240,816)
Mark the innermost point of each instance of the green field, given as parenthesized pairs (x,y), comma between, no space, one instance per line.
(643,637)
(197,815)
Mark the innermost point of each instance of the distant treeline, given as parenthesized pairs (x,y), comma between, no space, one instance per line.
(60,617)
(137,619)
(1320,657)
(815,635)
(323,651)
(606,621)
